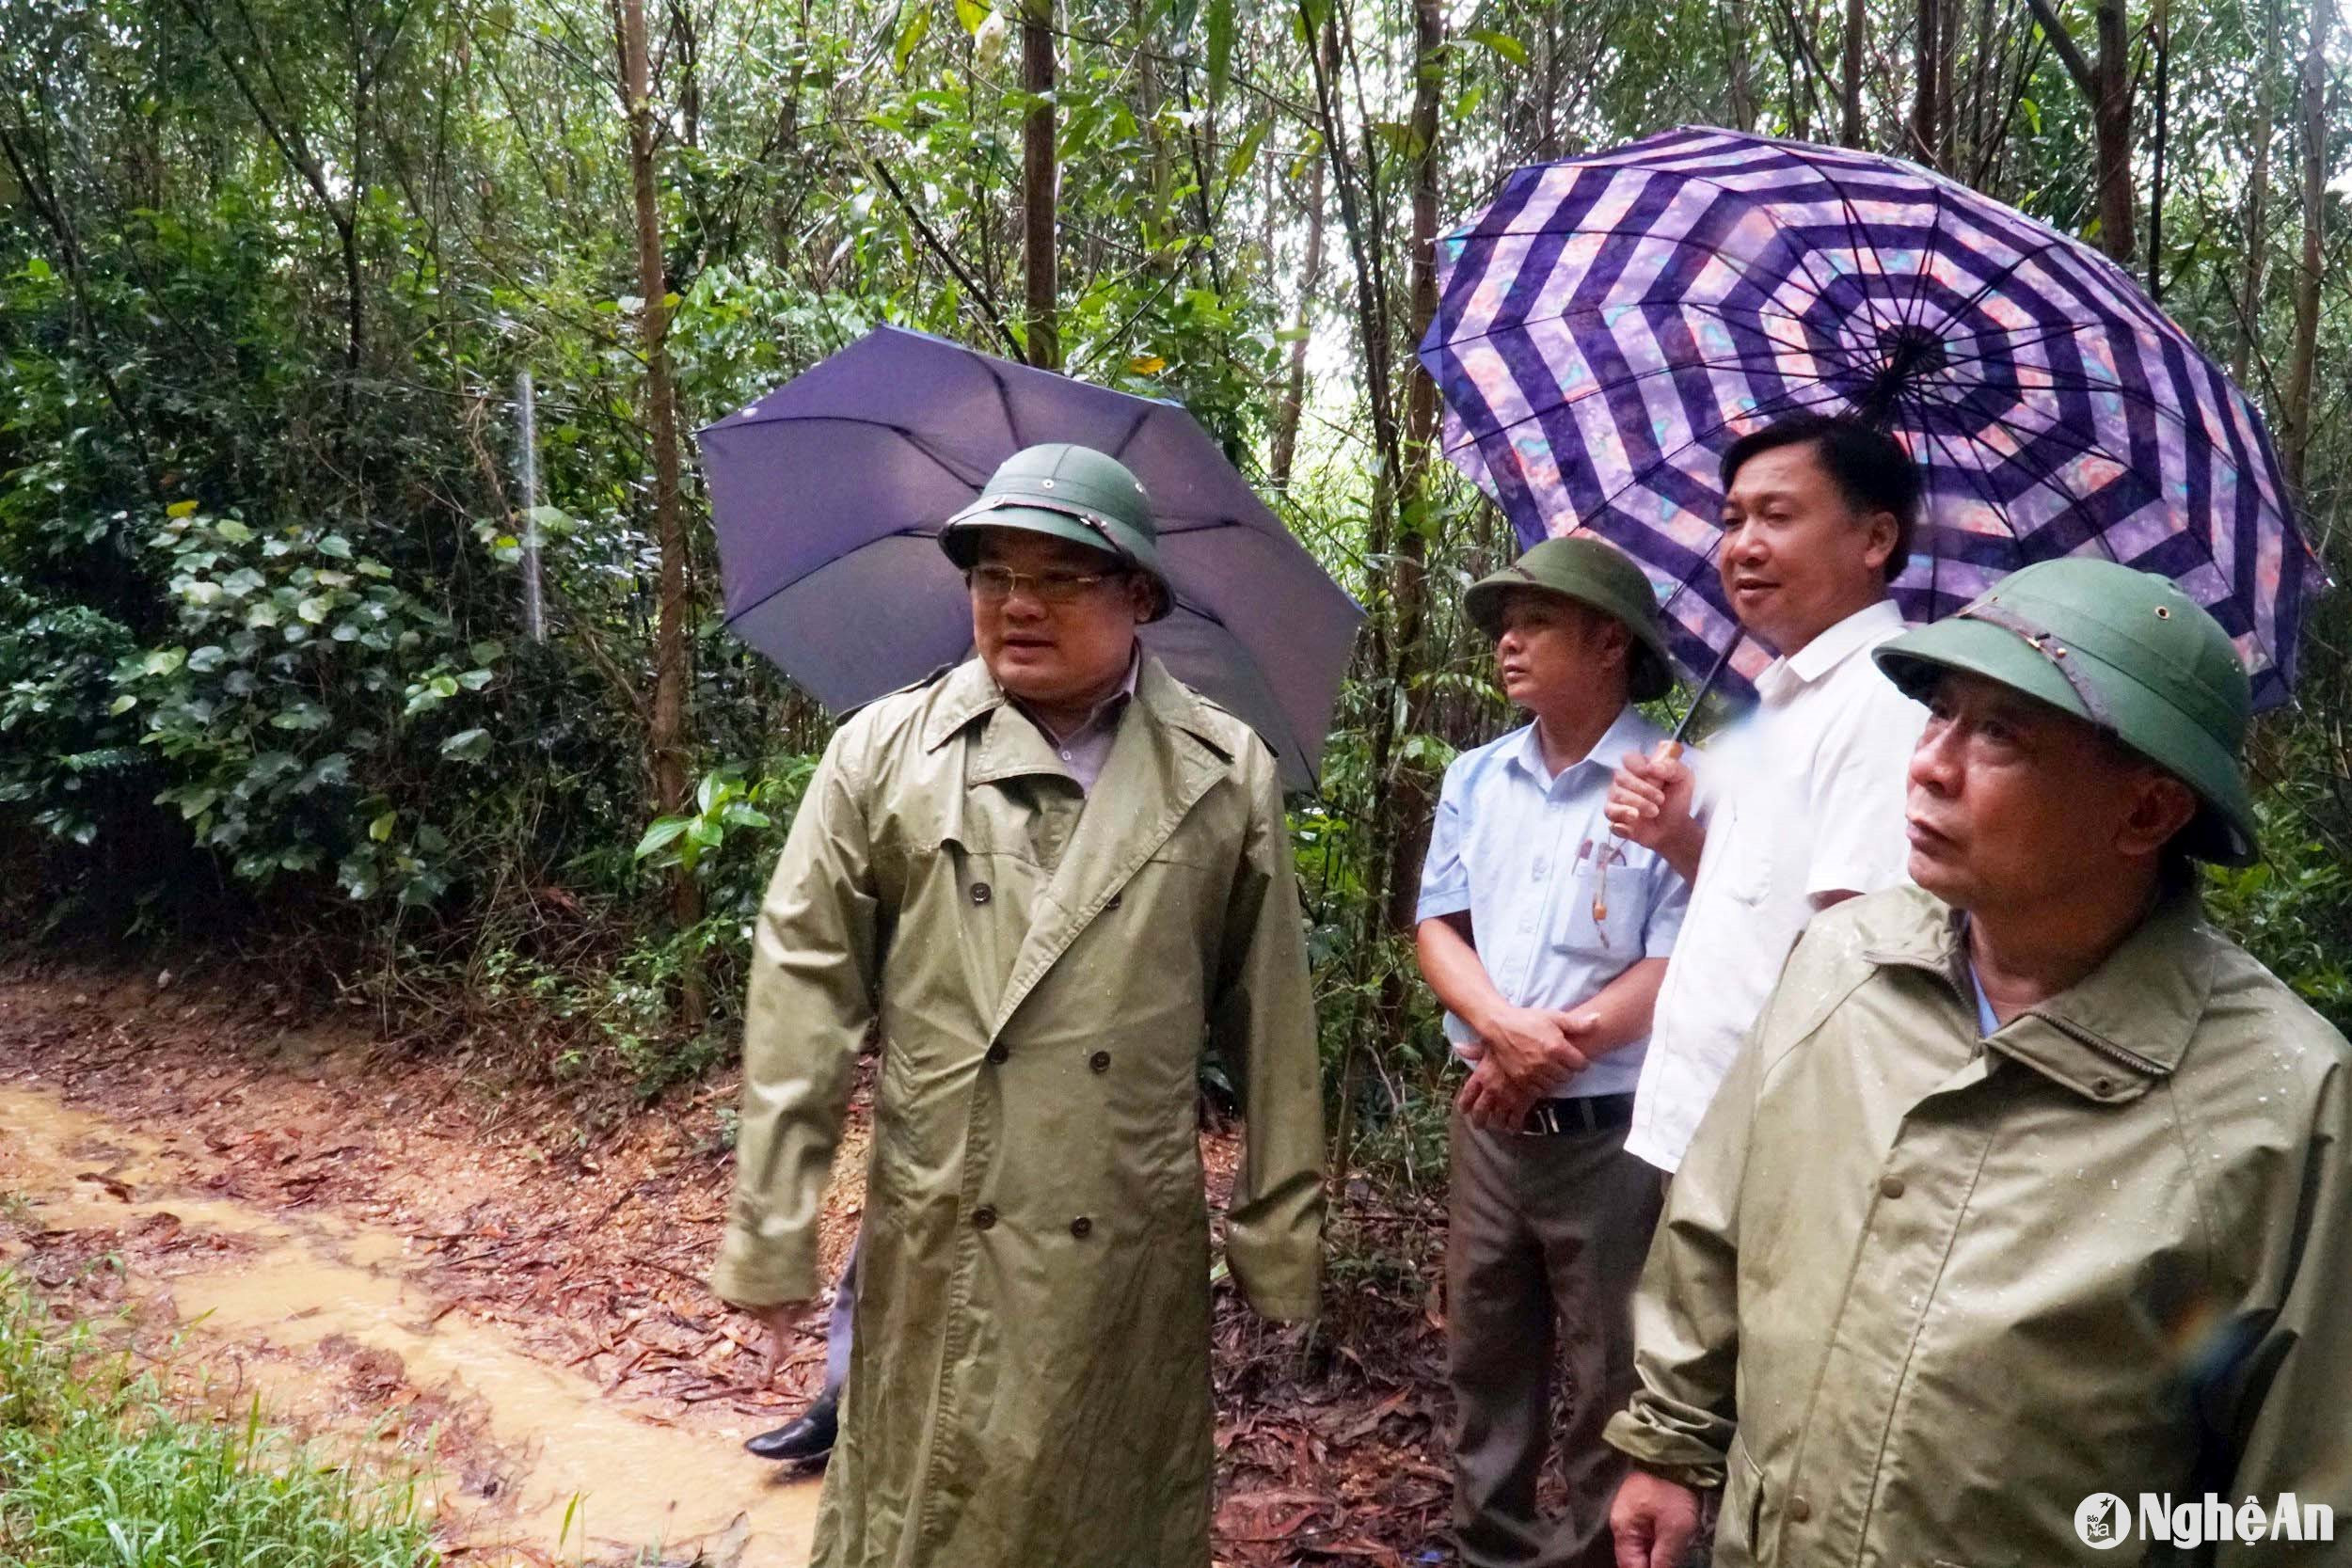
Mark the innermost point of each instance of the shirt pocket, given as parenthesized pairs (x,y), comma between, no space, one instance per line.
(1750,851)
(1605,914)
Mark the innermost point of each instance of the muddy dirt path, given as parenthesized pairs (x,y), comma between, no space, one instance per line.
(416,1252)
(361,1327)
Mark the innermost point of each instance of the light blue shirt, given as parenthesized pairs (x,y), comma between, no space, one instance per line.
(1523,851)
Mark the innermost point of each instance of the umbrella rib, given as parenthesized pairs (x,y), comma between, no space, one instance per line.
(1916,314)
(1004,400)
(2046,475)
(1591,309)
(1585,394)
(1132,430)
(1975,481)
(786,587)
(2009,270)
(2066,491)
(899,431)
(2149,401)
(1661,240)
(1803,254)
(2019,340)
(1689,578)
(1854,227)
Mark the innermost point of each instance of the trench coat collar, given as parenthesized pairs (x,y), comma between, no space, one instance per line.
(2113,1035)
(1168,751)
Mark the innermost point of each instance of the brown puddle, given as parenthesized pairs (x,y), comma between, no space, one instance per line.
(579,1474)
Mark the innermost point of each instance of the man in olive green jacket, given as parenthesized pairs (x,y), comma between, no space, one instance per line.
(2030,1190)
(1051,875)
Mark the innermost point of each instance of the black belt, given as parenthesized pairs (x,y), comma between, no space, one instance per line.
(1591,1112)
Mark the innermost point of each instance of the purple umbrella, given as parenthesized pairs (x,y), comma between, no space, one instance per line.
(1610,325)
(829,492)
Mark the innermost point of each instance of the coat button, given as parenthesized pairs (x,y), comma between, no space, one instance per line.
(1799,1510)
(1081,1226)
(997,1053)
(979,892)
(983,1217)
(2103,1088)
(1099,1061)
(1890,1186)
(1112,904)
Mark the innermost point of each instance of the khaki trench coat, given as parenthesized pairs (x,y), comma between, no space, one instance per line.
(1920,1299)
(1029,1381)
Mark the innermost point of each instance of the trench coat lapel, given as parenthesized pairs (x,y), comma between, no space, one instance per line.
(1159,767)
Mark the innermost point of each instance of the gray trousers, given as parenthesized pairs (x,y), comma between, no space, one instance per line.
(1544,1239)
(838,1322)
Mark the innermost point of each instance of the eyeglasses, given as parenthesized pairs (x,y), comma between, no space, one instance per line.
(995,584)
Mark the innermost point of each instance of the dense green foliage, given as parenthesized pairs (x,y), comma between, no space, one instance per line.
(269,270)
(98,1468)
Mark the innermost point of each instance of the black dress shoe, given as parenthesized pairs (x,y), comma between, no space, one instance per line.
(806,1441)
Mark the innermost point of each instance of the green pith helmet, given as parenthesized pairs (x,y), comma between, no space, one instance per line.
(1071,492)
(1591,572)
(2124,650)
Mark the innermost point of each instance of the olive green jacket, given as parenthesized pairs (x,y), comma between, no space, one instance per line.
(1030,1383)
(1919,1295)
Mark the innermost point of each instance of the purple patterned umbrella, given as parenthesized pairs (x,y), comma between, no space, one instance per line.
(1611,324)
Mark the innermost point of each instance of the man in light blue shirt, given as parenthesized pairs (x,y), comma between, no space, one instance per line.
(1546,937)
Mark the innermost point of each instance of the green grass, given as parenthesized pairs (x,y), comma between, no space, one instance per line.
(97,1466)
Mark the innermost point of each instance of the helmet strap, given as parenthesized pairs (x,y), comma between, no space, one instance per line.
(2044,642)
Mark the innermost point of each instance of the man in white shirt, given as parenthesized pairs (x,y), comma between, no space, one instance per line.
(1801,805)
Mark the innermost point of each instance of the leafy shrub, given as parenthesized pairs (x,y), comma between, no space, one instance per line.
(309,711)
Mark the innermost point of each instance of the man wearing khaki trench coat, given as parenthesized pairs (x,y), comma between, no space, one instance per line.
(1047,954)
(2029,1193)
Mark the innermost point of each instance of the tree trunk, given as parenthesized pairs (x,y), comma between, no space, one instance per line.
(1925,55)
(1947,60)
(1739,28)
(2160,41)
(1984,74)
(1285,446)
(2113,115)
(1362,221)
(2258,196)
(1849,87)
(668,740)
(2295,403)
(1405,803)
(2106,85)
(1038,183)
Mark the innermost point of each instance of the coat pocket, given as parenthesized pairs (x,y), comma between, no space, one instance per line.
(1741,1526)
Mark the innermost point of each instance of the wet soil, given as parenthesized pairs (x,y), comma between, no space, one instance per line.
(503,1281)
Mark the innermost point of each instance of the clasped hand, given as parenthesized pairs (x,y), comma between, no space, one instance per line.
(1523,1055)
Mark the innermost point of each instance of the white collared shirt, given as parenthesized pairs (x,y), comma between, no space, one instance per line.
(1803,799)
(1520,850)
